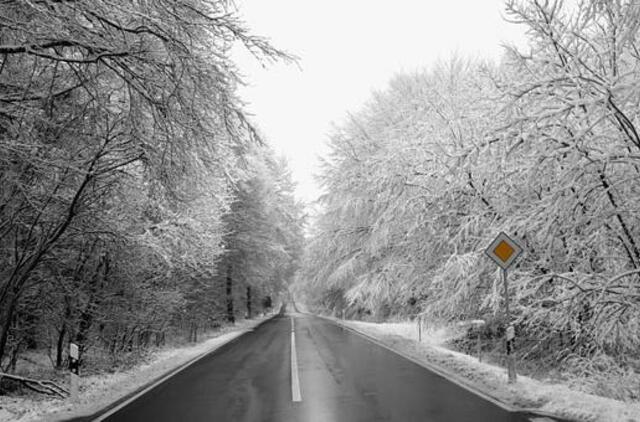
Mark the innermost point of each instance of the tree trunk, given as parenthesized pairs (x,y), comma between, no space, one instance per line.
(633,246)
(248,302)
(60,345)
(230,314)
(159,338)
(5,319)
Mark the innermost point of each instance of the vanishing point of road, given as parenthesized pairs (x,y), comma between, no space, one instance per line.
(298,368)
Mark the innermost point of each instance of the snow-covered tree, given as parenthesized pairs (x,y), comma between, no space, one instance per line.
(263,237)
(543,145)
(119,130)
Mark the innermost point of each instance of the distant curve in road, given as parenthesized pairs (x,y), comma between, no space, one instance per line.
(341,376)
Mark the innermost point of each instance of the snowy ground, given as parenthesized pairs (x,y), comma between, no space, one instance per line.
(526,393)
(96,392)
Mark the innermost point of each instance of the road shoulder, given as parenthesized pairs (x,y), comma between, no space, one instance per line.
(101,393)
(527,396)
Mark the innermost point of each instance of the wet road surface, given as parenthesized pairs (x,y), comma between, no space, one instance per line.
(335,375)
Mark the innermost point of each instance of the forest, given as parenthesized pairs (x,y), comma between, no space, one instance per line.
(138,203)
(543,145)
(141,207)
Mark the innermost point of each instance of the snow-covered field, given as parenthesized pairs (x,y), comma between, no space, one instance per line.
(96,392)
(527,393)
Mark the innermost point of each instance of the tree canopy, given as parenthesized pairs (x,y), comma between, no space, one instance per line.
(542,145)
(124,151)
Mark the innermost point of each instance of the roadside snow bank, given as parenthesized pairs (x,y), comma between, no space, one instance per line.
(527,393)
(98,391)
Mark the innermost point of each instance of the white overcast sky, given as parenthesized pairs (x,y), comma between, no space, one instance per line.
(347,49)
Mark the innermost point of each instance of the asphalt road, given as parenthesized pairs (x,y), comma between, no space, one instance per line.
(341,377)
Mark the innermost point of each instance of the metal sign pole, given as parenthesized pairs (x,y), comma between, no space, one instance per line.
(510,334)
(504,251)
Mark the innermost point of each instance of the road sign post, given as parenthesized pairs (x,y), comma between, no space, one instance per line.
(510,334)
(504,251)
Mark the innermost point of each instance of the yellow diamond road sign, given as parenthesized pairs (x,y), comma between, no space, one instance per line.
(504,250)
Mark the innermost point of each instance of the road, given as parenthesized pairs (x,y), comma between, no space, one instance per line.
(341,376)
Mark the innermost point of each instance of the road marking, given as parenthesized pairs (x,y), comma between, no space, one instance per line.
(453,378)
(175,371)
(295,381)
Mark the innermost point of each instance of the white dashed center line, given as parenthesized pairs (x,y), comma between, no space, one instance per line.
(295,381)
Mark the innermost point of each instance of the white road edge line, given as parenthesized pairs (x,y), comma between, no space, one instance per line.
(172,373)
(295,381)
(431,367)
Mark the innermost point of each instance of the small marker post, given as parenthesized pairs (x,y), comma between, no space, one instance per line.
(74,368)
